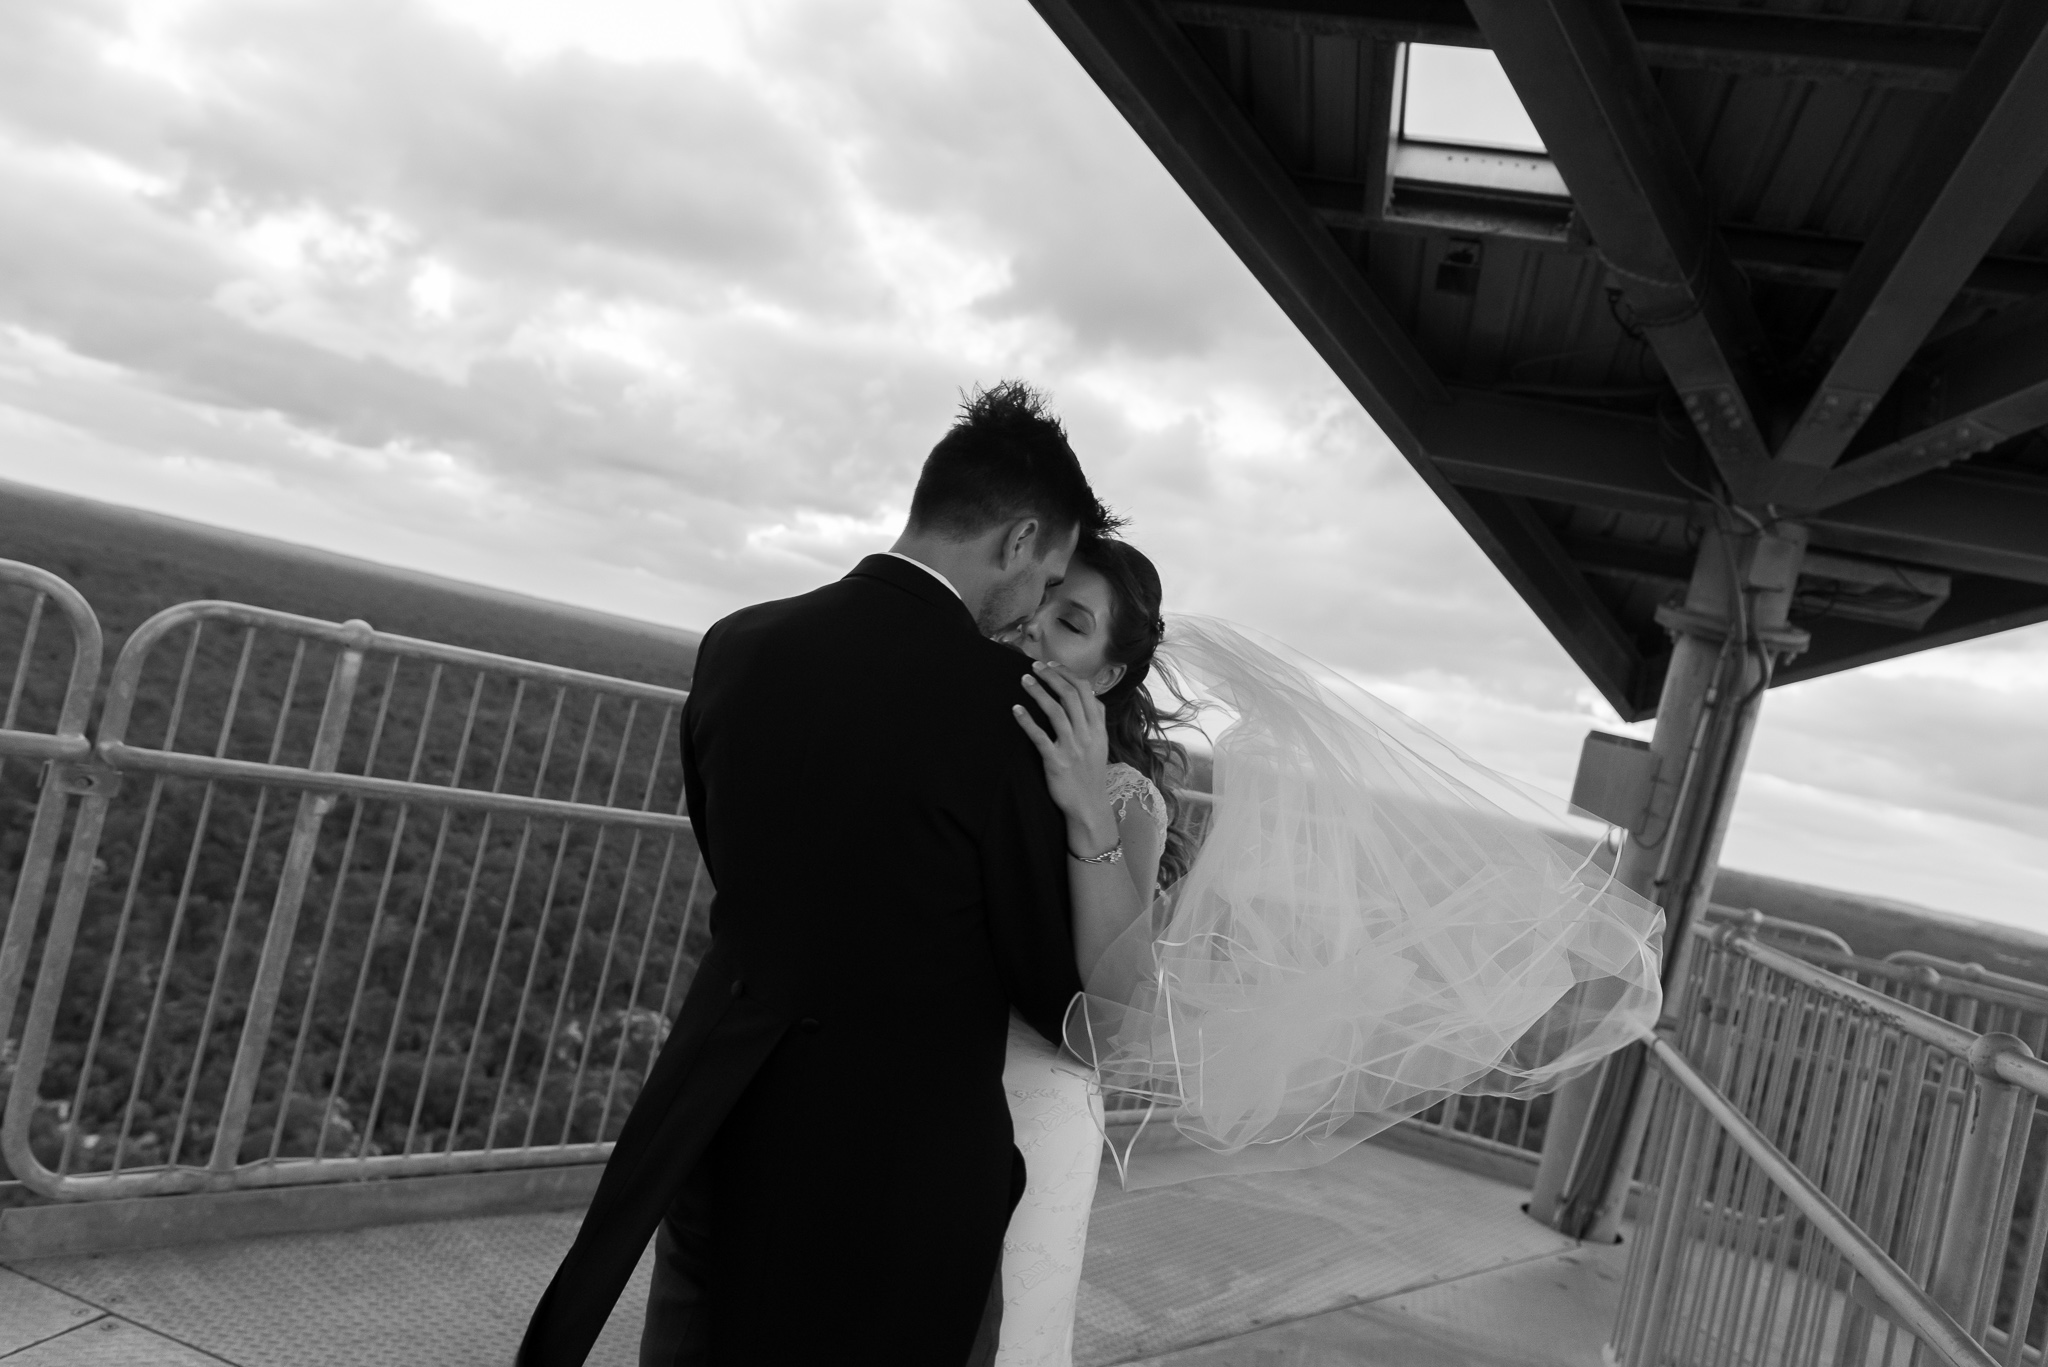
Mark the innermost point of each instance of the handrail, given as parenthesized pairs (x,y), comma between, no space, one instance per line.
(354,634)
(2034,993)
(1751,916)
(1932,1325)
(1996,1055)
(1929,1029)
(132,758)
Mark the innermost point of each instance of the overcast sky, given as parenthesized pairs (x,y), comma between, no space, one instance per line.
(656,307)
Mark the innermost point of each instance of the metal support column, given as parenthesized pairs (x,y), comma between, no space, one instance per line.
(1727,638)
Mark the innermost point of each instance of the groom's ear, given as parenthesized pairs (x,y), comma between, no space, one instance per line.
(1020,543)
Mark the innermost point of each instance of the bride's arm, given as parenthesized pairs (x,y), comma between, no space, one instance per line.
(1108,895)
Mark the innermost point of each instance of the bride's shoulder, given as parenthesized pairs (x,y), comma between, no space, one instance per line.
(1126,783)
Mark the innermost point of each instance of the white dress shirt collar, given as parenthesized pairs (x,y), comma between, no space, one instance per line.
(930,571)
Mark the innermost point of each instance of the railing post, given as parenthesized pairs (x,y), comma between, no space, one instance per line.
(291,893)
(1971,1223)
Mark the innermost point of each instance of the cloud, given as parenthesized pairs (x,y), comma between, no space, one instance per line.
(657,309)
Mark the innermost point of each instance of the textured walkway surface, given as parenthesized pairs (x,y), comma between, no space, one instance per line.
(1379,1258)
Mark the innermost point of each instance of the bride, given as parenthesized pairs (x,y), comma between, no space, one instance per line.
(1373,923)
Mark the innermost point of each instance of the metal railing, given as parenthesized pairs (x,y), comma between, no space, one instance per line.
(1837,1173)
(337,904)
(1514,1126)
(43,687)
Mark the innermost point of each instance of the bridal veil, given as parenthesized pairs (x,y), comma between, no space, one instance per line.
(1373,923)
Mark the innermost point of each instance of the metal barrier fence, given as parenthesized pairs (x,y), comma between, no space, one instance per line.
(332,903)
(1840,1169)
(337,903)
(1515,1126)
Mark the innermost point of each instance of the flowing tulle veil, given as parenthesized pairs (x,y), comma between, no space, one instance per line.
(1373,922)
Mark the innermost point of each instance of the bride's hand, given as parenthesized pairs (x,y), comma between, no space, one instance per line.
(1076,755)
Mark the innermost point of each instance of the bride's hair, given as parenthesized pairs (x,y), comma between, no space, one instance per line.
(1137,724)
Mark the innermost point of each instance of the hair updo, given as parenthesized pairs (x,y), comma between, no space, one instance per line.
(1136,724)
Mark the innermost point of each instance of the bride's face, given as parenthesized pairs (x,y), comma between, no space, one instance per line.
(1071,628)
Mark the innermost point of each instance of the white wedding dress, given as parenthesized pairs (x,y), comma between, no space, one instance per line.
(1373,923)
(1056,1111)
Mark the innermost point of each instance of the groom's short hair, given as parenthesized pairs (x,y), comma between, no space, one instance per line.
(1006,458)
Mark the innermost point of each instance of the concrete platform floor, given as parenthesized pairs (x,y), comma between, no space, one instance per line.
(1381,1259)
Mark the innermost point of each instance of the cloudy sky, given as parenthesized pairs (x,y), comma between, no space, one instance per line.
(655,306)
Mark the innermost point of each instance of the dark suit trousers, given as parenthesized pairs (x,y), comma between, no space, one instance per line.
(677,1332)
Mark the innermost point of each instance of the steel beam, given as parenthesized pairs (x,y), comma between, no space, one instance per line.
(1966,394)
(1762,254)
(1973,521)
(1582,78)
(1743,42)
(1976,607)
(1977,161)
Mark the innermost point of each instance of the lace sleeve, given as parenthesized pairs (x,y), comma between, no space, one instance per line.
(1140,822)
(1127,784)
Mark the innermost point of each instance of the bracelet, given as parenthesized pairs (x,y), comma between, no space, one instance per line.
(1113,855)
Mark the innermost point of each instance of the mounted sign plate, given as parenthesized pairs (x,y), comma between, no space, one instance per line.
(1614,780)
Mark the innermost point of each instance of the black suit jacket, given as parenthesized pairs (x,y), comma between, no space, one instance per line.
(891,879)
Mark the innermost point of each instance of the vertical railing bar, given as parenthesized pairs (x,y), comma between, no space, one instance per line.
(419,922)
(1941,1161)
(1852,1323)
(341,872)
(633,995)
(505,921)
(1747,1073)
(611,943)
(20,685)
(1721,1053)
(1706,1248)
(1665,1228)
(1783,1092)
(1654,1308)
(1621,1339)
(2002,1214)
(192,857)
(462,919)
(355,1001)
(2025,1293)
(647,931)
(227,941)
(177,713)
(576,938)
(1647,1321)
(1797,1141)
(259,1015)
(1818,1133)
(1891,1223)
(1774,1088)
(547,909)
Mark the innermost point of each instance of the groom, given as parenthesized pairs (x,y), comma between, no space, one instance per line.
(824,1139)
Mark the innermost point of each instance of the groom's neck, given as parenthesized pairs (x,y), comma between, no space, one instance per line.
(966,564)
